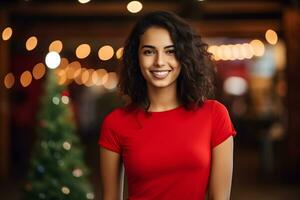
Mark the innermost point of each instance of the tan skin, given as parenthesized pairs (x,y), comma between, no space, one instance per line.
(156,52)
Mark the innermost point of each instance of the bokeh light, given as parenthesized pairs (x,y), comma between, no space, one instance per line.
(134,6)
(7,33)
(99,77)
(235,85)
(52,60)
(84,1)
(271,36)
(83,51)
(31,43)
(106,52)
(56,45)
(39,71)
(258,47)
(25,78)
(119,53)
(112,81)
(9,80)
(73,69)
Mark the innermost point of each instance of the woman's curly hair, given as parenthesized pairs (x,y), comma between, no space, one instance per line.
(195,81)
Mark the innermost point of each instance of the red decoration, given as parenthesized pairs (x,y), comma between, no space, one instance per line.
(65,93)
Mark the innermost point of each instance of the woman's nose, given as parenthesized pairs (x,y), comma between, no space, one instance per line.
(160,59)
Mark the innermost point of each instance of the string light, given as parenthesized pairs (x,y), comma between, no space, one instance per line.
(26,78)
(84,1)
(99,77)
(77,172)
(56,46)
(271,36)
(134,6)
(90,195)
(65,99)
(38,71)
(106,52)
(73,69)
(9,80)
(31,43)
(55,100)
(67,145)
(52,60)
(112,81)
(258,47)
(235,85)
(65,190)
(83,51)
(119,53)
(7,33)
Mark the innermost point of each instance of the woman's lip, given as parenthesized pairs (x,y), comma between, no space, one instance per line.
(159,70)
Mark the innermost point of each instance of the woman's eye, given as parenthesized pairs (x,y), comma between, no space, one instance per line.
(171,51)
(148,52)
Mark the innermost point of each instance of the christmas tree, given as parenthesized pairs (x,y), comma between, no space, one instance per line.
(57,170)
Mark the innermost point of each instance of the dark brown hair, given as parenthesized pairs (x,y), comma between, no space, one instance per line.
(195,81)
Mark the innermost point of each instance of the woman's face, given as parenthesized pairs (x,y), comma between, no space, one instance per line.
(157,59)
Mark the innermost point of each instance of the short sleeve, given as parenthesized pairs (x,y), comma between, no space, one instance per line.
(222,127)
(108,137)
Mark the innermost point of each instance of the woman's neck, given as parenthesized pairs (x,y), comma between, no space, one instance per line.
(163,98)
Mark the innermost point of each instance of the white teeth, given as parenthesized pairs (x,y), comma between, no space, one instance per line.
(160,74)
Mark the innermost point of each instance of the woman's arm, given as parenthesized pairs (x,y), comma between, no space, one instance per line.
(112,175)
(221,171)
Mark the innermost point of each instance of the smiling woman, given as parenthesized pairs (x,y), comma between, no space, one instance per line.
(174,142)
(157,59)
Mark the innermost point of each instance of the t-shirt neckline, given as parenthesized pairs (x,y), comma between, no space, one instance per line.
(165,112)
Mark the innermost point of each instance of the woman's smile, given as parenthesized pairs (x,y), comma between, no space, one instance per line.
(160,74)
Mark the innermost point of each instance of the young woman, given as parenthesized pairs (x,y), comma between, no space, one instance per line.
(173,141)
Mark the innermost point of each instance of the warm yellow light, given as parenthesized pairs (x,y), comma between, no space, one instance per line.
(83,51)
(31,43)
(119,53)
(26,78)
(78,78)
(221,51)
(89,81)
(61,76)
(56,46)
(258,47)
(134,6)
(39,71)
(73,69)
(112,81)
(7,33)
(248,51)
(9,80)
(64,62)
(84,1)
(235,50)
(85,76)
(100,77)
(106,52)
(271,36)
(227,52)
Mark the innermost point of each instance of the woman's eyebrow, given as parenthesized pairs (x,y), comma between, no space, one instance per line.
(153,47)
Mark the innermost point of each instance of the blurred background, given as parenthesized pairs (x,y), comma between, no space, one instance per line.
(255,45)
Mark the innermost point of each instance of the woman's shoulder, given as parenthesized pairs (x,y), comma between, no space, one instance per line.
(214,105)
(118,113)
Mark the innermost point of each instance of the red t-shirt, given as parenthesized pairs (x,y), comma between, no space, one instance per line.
(167,156)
